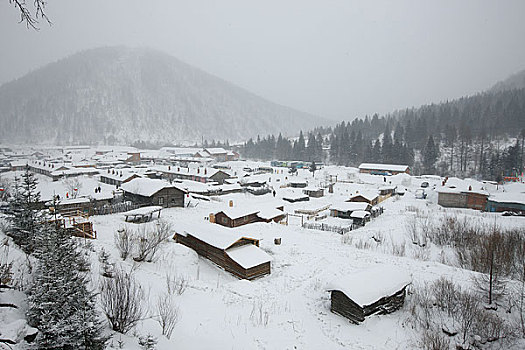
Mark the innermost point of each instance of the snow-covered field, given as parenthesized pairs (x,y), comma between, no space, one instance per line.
(290,308)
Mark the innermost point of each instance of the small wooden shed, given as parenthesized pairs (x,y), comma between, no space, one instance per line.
(379,290)
(230,250)
(314,192)
(345,210)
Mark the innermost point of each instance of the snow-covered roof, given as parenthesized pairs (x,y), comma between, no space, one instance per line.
(216,151)
(385,167)
(350,206)
(368,286)
(239,212)
(368,195)
(143,210)
(118,174)
(359,214)
(213,234)
(270,213)
(146,187)
(508,197)
(248,255)
(75,171)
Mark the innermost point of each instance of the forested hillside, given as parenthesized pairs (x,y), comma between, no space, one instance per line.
(477,135)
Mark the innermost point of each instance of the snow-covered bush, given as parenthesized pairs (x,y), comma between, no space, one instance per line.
(148,342)
(148,241)
(445,315)
(124,242)
(176,284)
(168,314)
(122,300)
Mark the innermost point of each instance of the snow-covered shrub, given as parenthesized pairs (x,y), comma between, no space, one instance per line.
(260,316)
(176,284)
(168,314)
(122,300)
(124,241)
(148,342)
(433,339)
(443,313)
(106,266)
(148,241)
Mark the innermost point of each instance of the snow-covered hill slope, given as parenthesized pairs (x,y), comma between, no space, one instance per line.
(123,95)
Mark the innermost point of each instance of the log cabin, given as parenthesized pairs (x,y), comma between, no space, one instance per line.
(238,254)
(151,192)
(380,290)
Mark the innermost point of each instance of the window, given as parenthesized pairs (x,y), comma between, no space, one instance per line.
(161,200)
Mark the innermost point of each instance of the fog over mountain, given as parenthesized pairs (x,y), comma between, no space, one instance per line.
(122,95)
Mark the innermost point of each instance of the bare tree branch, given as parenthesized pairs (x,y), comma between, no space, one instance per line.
(29,17)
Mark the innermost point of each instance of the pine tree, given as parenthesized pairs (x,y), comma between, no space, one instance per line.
(60,304)
(26,213)
(430,155)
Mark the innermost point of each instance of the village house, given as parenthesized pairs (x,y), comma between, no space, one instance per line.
(379,290)
(345,210)
(314,192)
(454,198)
(234,252)
(150,192)
(238,216)
(117,177)
(194,174)
(510,202)
(383,169)
(371,198)
(386,191)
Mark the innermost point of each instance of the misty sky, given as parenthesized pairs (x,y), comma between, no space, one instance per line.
(337,59)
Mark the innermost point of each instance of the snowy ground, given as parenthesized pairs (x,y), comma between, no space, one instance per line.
(290,308)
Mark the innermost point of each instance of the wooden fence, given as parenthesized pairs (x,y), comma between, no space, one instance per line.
(326,227)
(115,208)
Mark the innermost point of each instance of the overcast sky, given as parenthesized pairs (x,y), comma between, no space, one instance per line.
(337,59)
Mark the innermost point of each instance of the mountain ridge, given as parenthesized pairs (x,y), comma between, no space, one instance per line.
(123,95)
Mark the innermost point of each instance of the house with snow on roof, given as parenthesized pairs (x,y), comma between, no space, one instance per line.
(242,215)
(149,192)
(117,177)
(371,198)
(377,291)
(229,249)
(383,169)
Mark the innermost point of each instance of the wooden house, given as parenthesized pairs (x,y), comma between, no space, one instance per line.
(153,192)
(203,175)
(314,192)
(383,169)
(379,290)
(514,202)
(239,216)
(387,191)
(454,198)
(360,217)
(298,184)
(371,198)
(117,177)
(345,210)
(230,250)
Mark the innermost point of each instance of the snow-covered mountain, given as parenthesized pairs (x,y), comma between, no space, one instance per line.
(515,81)
(123,95)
